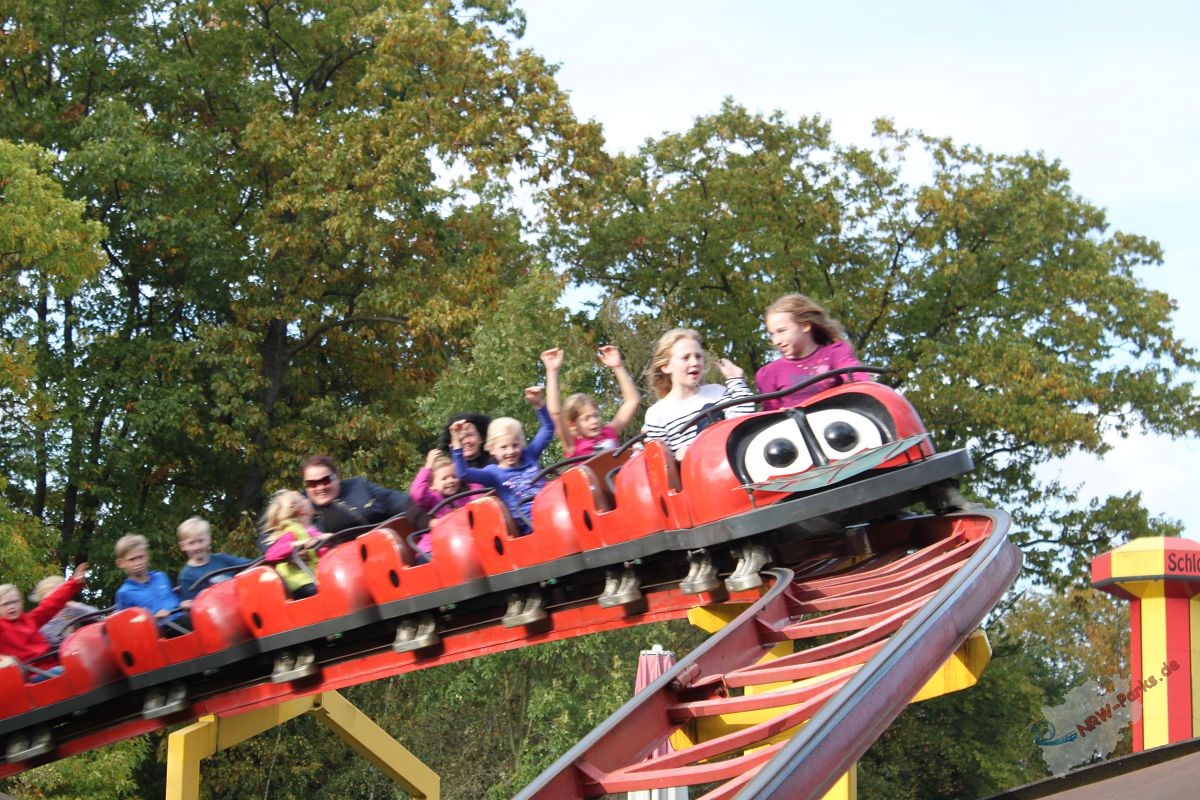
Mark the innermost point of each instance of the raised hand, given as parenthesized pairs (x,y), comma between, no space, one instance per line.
(553,358)
(459,429)
(533,396)
(728,369)
(432,456)
(609,355)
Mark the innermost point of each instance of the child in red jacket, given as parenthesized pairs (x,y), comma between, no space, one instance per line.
(19,635)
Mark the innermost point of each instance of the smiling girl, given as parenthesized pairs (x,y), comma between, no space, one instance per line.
(580,426)
(516,462)
(809,342)
(675,374)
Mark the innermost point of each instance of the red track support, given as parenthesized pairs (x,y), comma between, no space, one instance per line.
(899,615)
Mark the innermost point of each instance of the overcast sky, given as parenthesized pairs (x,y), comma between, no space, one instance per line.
(1108,88)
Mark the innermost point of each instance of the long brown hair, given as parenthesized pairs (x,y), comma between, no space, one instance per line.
(804,311)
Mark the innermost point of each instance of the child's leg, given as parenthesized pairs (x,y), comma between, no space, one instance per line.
(45,675)
(304,590)
(177,624)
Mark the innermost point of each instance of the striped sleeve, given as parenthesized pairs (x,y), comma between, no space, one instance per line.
(734,388)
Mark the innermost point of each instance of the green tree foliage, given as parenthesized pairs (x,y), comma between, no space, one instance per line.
(1009,313)
(110,773)
(47,249)
(504,357)
(308,209)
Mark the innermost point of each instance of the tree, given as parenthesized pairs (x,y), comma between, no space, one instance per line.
(978,742)
(308,209)
(47,249)
(1006,309)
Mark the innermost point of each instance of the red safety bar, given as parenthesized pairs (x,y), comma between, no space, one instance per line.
(499,546)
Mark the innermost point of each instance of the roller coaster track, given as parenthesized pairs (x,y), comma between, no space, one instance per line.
(890,622)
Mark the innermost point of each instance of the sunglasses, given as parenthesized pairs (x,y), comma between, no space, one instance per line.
(324,480)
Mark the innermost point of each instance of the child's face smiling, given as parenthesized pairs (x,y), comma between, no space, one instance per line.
(445,482)
(506,449)
(790,338)
(686,364)
(195,546)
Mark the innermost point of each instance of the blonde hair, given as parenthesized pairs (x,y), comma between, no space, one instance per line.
(45,586)
(659,381)
(575,406)
(441,462)
(804,311)
(502,426)
(9,588)
(283,507)
(128,543)
(193,525)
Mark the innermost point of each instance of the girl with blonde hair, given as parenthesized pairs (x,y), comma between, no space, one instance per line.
(516,462)
(288,528)
(676,375)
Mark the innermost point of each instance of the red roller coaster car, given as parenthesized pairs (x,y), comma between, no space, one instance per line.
(602,530)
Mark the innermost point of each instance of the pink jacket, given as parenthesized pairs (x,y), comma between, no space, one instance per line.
(427,498)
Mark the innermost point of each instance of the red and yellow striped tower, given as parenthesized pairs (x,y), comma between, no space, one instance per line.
(1161,578)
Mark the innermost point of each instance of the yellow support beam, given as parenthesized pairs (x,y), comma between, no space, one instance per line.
(188,746)
(961,670)
(374,744)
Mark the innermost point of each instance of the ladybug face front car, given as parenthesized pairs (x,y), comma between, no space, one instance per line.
(754,461)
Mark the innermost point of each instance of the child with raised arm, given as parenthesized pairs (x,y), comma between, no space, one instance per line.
(809,342)
(195,540)
(19,635)
(288,526)
(434,482)
(675,373)
(578,422)
(516,462)
(149,589)
(54,630)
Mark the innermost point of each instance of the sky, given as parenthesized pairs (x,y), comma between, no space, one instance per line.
(1107,88)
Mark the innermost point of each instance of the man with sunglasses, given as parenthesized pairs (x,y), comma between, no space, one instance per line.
(339,504)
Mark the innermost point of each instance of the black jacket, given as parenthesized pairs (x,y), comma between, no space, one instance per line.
(359,502)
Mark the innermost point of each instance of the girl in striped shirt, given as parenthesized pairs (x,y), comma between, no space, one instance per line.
(675,374)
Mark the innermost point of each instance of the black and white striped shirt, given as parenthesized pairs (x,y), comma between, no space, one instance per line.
(666,418)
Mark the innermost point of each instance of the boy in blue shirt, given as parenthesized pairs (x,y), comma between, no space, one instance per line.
(149,589)
(195,540)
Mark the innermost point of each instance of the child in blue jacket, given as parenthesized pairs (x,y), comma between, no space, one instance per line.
(516,462)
